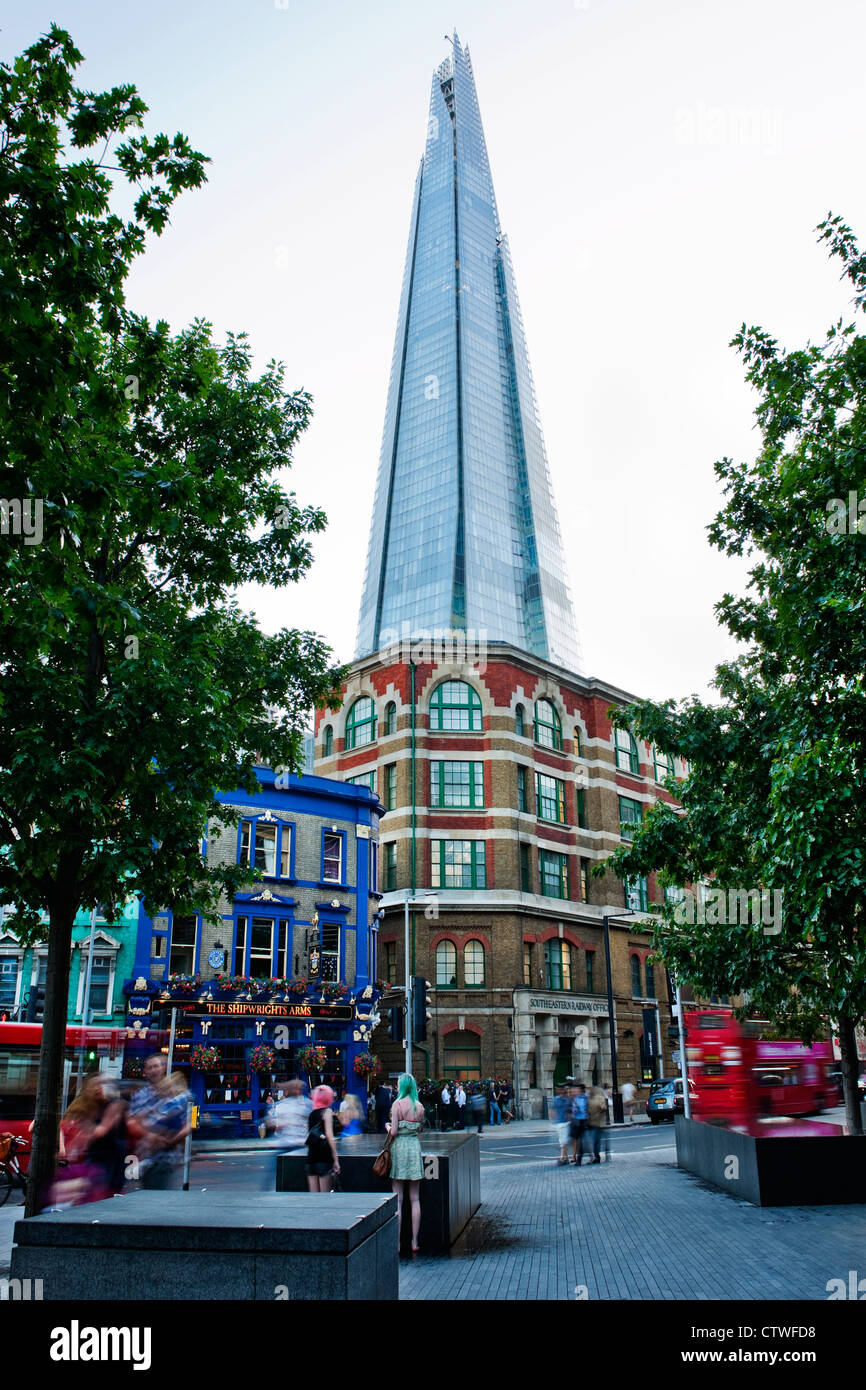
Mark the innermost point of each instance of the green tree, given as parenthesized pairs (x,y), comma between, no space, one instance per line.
(133,686)
(774,795)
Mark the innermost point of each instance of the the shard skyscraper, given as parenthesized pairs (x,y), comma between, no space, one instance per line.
(464,533)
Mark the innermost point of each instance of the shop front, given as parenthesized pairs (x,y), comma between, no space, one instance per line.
(236,1053)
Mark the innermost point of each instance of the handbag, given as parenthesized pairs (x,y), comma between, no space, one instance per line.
(382,1161)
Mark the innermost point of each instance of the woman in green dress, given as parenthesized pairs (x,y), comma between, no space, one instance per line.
(407,1169)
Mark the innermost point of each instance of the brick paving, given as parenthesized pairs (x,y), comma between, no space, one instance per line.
(635,1228)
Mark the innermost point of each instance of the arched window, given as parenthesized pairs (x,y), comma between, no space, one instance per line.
(626,751)
(577,752)
(650,980)
(361,723)
(455,705)
(390,718)
(328,741)
(473,963)
(663,765)
(548,727)
(518,721)
(635,977)
(446,964)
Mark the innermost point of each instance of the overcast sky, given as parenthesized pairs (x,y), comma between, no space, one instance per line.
(660,168)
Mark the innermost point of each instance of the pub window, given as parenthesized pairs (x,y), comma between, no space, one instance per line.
(181,955)
(521,788)
(261,948)
(527,963)
(589,957)
(240,946)
(157,947)
(473,963)
(650,980)
(328,741)
(259,846)
(391,718)
(446,964)
(286,832)
(332,857)
(391,787)
(519,727)
(330,941)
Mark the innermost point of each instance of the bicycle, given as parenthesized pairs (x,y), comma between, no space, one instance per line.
(10,1166)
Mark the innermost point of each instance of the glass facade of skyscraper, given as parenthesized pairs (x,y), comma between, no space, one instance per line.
(464,532)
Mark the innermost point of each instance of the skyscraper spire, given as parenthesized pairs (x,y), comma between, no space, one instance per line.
(464,532)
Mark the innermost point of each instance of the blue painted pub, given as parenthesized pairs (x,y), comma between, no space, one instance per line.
(285,986)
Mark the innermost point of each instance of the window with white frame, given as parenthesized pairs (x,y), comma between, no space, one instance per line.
(332,857)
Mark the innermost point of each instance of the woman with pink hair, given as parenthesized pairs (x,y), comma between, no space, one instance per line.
(322,1160)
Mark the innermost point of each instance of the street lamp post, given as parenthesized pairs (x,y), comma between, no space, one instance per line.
(614,1080)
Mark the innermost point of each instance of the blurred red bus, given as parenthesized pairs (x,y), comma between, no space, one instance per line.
(741,1076)
(19,1067)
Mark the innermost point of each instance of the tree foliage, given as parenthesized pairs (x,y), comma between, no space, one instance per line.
(774,796)
(133,686)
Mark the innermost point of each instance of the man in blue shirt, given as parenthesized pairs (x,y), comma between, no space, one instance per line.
(578,1122)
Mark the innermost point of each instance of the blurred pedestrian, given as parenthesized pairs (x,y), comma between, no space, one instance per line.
(628,1097)
(596,1111)
(159,1121)
(350,1116)
(92,1146)
(290,1116)
(322,1159)
(407,1119)
(384,1101)
(560,1113)
(578,1122)
(478,1106)
(445,1107)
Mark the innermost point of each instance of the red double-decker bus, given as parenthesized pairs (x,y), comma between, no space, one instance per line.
(19,1066)
(741,1076)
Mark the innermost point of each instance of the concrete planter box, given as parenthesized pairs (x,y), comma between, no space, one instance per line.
(777,1171)
(450,1192)
(191,1245)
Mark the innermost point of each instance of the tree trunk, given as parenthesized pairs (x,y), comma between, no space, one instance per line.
(51,1057)
(850,1071)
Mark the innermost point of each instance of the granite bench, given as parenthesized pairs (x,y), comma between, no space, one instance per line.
(195,1245)
(450,1191)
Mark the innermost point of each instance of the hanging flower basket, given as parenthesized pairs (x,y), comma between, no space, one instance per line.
(366,1063)
(312,1058)
(203,1058)
(332,990)
(184,984)
(262,1058)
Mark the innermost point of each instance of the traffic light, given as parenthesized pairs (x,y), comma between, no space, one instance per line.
(395,1023)
(419,1009)
(35,1005)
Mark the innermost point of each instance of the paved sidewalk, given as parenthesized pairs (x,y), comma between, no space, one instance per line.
(635,1228)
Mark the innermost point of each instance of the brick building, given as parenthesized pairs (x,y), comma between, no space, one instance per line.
(521,786)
